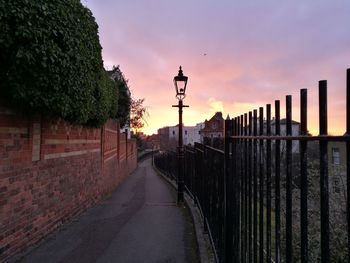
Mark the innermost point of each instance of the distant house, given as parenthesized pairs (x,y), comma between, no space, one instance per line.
(190,134)
(164,138)
(337,167)
(194,133)
(283,127)
(283,132)
(152,142)
(169,135)
(214,128)
(163,133)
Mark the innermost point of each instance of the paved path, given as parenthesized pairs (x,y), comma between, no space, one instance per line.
(140,222)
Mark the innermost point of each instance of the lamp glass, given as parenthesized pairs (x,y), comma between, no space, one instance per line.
(180,83)
(180,87)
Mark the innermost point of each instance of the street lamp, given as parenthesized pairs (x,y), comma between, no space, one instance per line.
(180,82)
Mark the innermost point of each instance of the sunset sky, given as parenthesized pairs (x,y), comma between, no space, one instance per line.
(238,55)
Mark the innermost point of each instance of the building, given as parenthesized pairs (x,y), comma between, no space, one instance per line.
(195,133)
(283,132)
(190,134)
(152,142)
(169,135)
(163,133)
(164,139)
(337,167)
(214,128)
(283,127)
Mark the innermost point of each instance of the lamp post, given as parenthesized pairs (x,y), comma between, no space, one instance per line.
(180,82)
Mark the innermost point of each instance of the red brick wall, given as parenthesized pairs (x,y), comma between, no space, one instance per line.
(51,171)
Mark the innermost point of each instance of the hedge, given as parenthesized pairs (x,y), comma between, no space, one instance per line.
(51,61)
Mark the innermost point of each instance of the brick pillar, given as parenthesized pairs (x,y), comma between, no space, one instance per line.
(36,141)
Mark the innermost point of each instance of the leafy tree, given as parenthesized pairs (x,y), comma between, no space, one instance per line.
(123,113)
(51,61)
(139,142)
(138,114)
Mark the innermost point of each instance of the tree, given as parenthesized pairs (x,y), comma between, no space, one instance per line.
(123,113)
(124,96)
(138,114)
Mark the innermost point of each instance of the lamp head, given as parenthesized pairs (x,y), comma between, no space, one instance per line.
(180,82)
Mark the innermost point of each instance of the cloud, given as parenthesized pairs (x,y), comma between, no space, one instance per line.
(256,52)
(215,105)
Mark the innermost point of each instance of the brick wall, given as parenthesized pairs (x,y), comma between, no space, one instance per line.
(51,171)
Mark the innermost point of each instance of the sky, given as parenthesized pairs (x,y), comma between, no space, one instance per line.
(238,55)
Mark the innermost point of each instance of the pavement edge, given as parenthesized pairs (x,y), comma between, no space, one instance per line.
(203,242)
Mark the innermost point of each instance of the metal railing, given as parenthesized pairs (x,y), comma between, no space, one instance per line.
(204,182)
(166,162)
(267,196)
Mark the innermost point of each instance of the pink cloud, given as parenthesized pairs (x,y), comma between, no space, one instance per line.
(256,52)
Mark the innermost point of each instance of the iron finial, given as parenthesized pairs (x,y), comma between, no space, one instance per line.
(180,72)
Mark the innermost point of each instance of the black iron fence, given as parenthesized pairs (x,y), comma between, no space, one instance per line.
(276,193)
(166,162)
(204,182)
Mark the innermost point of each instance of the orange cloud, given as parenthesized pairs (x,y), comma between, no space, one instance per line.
(247,54)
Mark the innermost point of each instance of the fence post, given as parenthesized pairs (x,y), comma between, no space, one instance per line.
(268,184)
(236,192)
(303,178)
(242,190)
(277,184)
(250,197)
(289,179)
(261,185)
(325,258)
(228,225)
(348,157)
(126,145)
(255,187)
(245,186)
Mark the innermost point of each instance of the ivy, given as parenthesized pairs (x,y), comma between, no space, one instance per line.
(123,113)
(51,61)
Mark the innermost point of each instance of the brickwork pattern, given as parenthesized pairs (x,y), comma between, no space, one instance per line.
(50,171)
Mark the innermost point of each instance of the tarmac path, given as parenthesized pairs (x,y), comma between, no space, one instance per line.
(139,222)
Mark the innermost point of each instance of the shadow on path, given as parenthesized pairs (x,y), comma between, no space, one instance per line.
(140,222)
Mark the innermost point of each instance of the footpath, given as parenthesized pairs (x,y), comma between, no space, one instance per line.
(139,222)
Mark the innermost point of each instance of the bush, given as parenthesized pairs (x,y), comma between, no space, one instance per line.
(51,61)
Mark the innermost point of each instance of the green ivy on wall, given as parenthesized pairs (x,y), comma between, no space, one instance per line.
(51,61)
